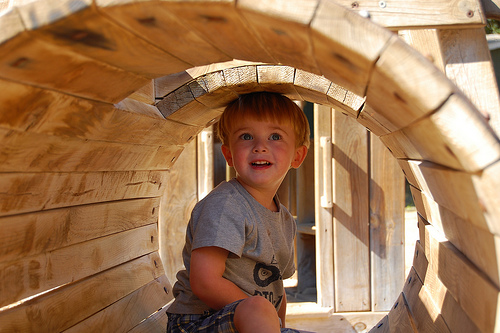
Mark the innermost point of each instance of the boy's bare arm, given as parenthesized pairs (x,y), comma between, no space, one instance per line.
(207,266)
(282,310)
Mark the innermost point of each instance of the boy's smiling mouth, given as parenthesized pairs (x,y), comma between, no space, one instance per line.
(261,163)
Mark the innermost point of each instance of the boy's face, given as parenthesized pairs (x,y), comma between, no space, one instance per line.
(262,152)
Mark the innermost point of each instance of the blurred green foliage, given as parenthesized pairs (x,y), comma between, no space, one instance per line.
(492,27)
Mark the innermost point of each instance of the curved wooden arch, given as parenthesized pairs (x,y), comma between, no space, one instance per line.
(66,68)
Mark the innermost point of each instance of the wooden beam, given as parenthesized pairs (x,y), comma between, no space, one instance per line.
(64,307)
(139,305)
(32,192)
(51,154)
(323,212)
(455,136)
(283,29)
(351,209)
(46,231)
(35,274)
(387,200)
(463,55)
(348,58)
(408,14)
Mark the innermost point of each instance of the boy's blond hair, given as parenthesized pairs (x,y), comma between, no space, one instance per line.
(265,106)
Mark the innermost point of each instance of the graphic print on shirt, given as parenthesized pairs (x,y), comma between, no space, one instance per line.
(263,276)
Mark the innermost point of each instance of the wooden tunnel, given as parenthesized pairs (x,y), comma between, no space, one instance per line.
(86,148)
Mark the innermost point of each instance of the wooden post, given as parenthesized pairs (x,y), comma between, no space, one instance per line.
(323,213)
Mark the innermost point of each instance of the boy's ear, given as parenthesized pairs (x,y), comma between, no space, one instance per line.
(300,155)
(227,155)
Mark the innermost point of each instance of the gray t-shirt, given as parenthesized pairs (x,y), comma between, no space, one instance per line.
(259,241)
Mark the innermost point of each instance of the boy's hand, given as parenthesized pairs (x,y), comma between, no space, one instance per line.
(207,267)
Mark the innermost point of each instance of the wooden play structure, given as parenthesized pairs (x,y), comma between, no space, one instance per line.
(99,98)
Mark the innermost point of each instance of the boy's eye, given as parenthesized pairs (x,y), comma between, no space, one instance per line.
(246,136)
(275,136)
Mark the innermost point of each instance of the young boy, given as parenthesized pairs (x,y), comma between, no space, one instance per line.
(239,240)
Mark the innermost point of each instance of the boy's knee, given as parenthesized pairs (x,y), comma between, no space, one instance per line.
(257,304)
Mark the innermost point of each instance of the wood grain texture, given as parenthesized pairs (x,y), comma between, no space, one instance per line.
(89,33)
(32,192)
(33,61)
(453,314)
(404,87)
(456,136)
(62,308)
(424,311)
(34,274)
(139,305)
(283,28)
(344,46)
(456,191)
(324,215)
(154,22)
(476,294)
(51,154)
(57,228)
(176,207)
(417,14)
(35,110)
(351,214)
(222,26)
(386,226)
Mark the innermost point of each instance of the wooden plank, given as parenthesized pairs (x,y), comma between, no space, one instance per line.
(153,22)
(180,199)
(346,45)
(278,79)
(145,94)
(469,66)
(470,287)
(33,61)
(387,205)
(35,274)
(400,319)
(242,80)
(94,35)
(220,24)
(283,29)
(311,87)
(455,317)
(157,322)
(166,84)
(52,153)
(404,86)
(212,91)
(424,312)
(463,55)
(456,136)
(180,106)
(382,326)
(323,213)
(370,123)
(30,234)
(35,110)
(416,14)
(31,192)
(457,191)
(351,214)
(477,244)
(137,306)
(62,308)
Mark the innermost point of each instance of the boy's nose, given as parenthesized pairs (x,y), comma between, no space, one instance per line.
(259,147)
